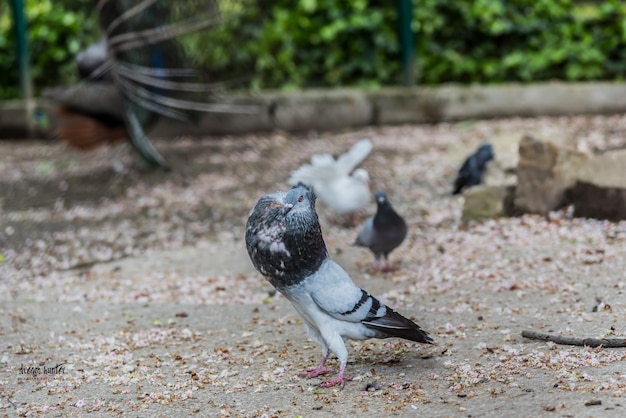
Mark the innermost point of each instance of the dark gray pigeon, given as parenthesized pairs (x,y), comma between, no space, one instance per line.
(383,232)
(472,171)
(285,243)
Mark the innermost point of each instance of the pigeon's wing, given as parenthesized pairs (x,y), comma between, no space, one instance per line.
(348,161)
(323,169)
(463,176)
(366,234)
(335,293)
(322,160)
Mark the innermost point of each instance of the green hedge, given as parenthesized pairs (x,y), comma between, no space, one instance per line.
(315,43)
(57,30)
(520,40)
(353,42)
(306,43)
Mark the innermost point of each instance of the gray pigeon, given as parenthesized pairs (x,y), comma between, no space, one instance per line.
(383,232)
(284,241)
(473,169)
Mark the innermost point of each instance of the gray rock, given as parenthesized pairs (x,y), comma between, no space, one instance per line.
(484,202)
(506,146)
(600,188)
(544,172)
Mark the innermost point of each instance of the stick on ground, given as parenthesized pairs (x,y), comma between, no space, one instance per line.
(588,342)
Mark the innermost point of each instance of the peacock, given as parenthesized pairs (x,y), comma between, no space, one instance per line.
(142,69)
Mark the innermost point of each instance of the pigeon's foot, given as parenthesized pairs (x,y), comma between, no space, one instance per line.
(320,369)
(315,372)
(388,269)
(339,380)
(384,268)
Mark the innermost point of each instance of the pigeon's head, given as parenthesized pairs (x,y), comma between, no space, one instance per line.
(484,153)
(381,198)
(385,214)
(299,202)
(284,237)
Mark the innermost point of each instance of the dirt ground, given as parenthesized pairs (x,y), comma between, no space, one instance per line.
(128,292)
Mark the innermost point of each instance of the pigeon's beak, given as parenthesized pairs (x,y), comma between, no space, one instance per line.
(287,207)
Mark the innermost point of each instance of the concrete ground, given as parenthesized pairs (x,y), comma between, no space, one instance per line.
(128,292)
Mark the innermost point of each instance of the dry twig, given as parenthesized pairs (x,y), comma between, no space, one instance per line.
(588,342)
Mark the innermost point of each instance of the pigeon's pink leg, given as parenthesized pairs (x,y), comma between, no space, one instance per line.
(383,266)
(378,266)
(320,369)
(387,267)
(339,380)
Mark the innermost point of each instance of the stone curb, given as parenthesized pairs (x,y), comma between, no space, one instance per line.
(331,109)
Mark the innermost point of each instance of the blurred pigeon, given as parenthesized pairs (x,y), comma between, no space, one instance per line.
(383,232)
(284,241)
(472,171)
(342,192)
(142,69)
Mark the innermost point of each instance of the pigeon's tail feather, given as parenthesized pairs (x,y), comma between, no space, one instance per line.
(348,161)
(395,325)
(360,242)
(308,174)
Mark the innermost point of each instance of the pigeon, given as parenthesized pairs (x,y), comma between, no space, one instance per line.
(285,244)
(336,182)
(472,171)
(383,232)
(143,69)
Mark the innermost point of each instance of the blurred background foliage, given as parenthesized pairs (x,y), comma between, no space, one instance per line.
(283,44)
(57,30)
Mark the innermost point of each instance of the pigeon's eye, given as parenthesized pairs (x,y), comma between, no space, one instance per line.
(301,198)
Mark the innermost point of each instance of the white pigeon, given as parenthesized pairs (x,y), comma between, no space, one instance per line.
(284,241)
(336,182)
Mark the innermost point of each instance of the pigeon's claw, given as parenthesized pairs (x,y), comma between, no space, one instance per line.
(339,380)
(315,372)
